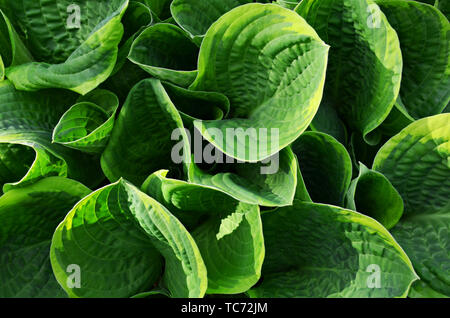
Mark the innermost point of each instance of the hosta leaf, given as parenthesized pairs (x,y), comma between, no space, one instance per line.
(136,19)
(28,218)
(12,49)
(425,88)
(87,125)
(372,194)
(28,119)
(15,161)
(141,141)
(395,122)
(267,184)
(160,7)
(230,234)
(194,105)
(164,51)
(325,165)
(315,250)
(271,65)
(196,16)
(121,238)
(76,51)
(2,69)
(444,6)
(327,121)
(365,61)
(416,162)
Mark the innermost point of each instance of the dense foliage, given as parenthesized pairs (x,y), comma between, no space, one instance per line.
(110,112)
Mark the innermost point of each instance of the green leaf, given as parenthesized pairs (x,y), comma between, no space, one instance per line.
(15,161)
(12,48)
(28,218)
(165,52)
(267,184)
(121,239)
(425,88)
(416,162)
(194,105)
(228,233)
(271,65)
(86,126)
(365,61)
(327,121)
(160,7)
(28,119)
(196,16)
(70,57)
(315,250)
(373,195)
(325,165)
(141,141)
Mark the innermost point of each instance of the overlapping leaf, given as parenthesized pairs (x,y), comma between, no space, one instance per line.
(75,43)
(87,125)
(271,65)
(325,166)
(365,61)
(416,162)
(228,233)
(315,250)
(122,240)
(425,89)
(28,119)
(28,218)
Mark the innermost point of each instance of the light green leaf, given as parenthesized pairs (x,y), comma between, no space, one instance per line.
(271,65)
(28,218)
(121,239)
(165,52)
(268,184)
(425,89)
(315,250)
(373,195)
(71,55)
(228,233)
(86,126)
(325,166)
(416,161)
(28,119)
(141,141)
(365,61)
